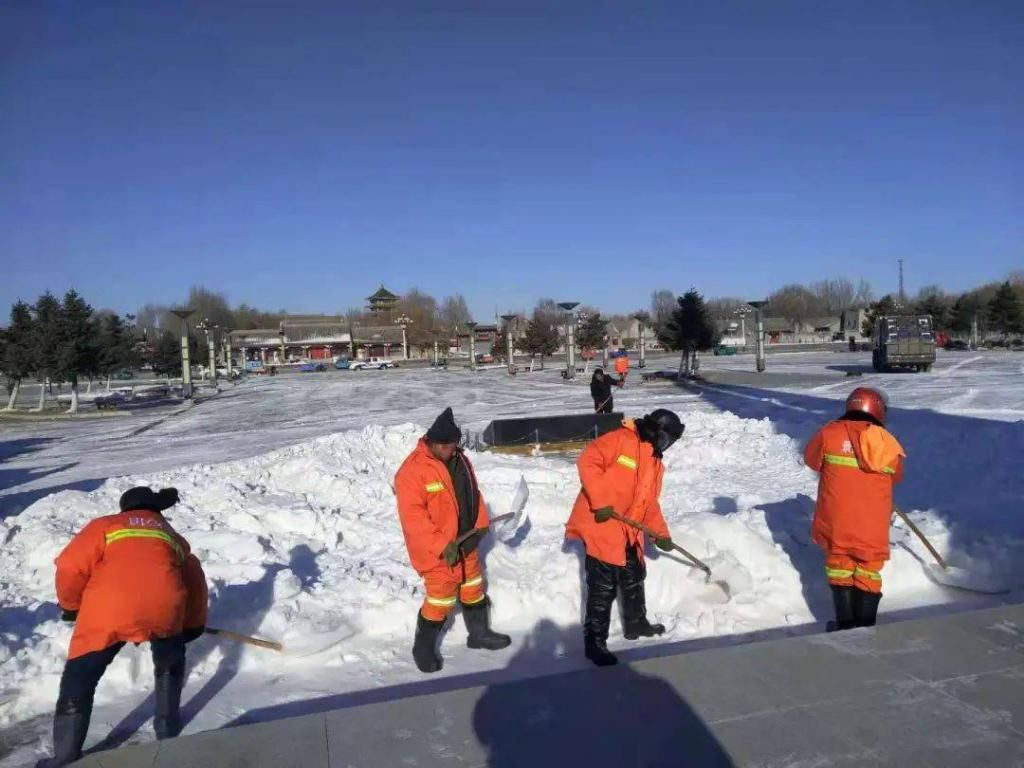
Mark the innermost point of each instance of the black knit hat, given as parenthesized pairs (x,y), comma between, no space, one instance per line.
(444,429)
(140,497)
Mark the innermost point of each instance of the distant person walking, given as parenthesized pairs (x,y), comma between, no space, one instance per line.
(858,462)
(126,578)
(622,368)
(601,390)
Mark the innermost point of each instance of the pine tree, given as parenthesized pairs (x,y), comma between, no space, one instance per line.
(116,346)
(1004,311)
(937,307)
(884,306)
(165,357)
(541,338)
(46,340)
(691,326)
(591,334)
(77,348)
(961,316)
(19,350)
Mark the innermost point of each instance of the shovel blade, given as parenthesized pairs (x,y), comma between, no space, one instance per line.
(962,578)
(507,529)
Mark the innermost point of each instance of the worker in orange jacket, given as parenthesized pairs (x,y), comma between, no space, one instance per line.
(621,472)
(439,501)
(126,578)
(622,368)
(859,461)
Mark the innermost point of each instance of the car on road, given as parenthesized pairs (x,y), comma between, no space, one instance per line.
(958,345)
(311,368)
(342,363)
(371,364)
(484,359)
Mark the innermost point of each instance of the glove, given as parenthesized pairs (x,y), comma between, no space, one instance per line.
(192,634)
(68,616)
(604,514)
(665,544)
(451,554)
(167,498)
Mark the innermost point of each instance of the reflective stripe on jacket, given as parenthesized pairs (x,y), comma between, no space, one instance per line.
(854,495)
(428,508)
(617,470)
(131,577)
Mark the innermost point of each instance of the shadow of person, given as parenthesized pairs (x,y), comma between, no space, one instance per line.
(790,524)
(595,717)
(725,505)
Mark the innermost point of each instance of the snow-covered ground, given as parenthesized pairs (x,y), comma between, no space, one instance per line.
(286,497)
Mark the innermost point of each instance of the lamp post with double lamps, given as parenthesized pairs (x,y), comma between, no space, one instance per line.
(759,319)
(186,364)
(472,345)
(642,318)
(570,337)
(509,319)
(403,321)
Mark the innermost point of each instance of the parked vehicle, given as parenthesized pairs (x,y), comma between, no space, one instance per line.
(620,352)
(958,345)
(484,358)
(342,363)
(371,364)
(311,368)
(903,341)
(722,349)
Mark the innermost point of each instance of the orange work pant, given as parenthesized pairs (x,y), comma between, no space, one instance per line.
(464,582)
(848,571)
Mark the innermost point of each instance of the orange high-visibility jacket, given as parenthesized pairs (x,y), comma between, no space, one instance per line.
(132,578)
(617,470)
(621,364)
(428,508)
(854,496)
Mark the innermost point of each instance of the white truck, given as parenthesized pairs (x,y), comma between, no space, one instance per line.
(371,364)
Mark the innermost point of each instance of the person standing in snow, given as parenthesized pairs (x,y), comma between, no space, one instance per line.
(622,369)
(859,461)
(601,391)
(621,472)
(439,501)
(126,578)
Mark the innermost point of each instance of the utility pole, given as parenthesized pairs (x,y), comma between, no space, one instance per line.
(642,318)
(570,338)
(509,319)
(903,293)
(472,345)
(759,319)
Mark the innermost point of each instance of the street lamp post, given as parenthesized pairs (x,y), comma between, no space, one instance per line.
(280,334)
(403,322)
(642,318)
(743,312)
(759,318)
(186,365)
(509,319)
(570,338)
(227,352)
(472,345)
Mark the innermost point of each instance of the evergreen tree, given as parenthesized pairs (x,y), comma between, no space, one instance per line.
(46,340)
(884,306)
(937,307)
(116,346)
(165,357)
(78,345)
(541,337)
(961,316)
(19,351)
(1004,311)
(591,333)
(691,326)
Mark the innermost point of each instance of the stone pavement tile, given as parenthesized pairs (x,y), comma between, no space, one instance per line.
(135,756)
(999,693)
(1003,627)
(298,742)
(903,722)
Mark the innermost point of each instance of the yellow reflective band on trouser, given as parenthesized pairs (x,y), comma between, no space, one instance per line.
(145,533)
(838,573)
(473,583)
(889,470)
(626,461)
(873,575)
(441,602)
(841,461)
(435,487)
(474,602)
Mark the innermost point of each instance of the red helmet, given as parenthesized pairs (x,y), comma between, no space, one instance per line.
(869,401)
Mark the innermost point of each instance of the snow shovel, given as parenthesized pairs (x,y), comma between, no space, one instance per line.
(950,576)
(507,525)
(697,563)
(244,638)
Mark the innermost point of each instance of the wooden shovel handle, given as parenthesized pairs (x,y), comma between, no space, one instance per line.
(640,526)
(921,536)
(473,531)
(238,638)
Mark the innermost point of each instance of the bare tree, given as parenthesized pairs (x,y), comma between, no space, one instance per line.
(796,303)
(421,309)
(864,296)
(724,308)
(836,295)
(453,313)
(663,304)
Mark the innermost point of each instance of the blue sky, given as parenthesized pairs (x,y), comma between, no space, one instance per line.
(298,154)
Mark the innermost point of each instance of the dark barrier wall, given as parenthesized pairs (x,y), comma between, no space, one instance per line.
(550,429)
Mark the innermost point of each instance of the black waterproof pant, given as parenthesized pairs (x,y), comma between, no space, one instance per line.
(604,581)
(607,407)
(82,674)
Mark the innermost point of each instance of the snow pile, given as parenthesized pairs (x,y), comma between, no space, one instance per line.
(303,545)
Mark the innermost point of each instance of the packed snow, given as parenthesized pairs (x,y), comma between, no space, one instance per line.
(287,499)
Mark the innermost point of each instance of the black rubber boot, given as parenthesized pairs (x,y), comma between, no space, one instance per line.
(70,725)
(424,648)
(865,607)
(602,579)
(634,604)
(167,691)
(480,633)
(842,598)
